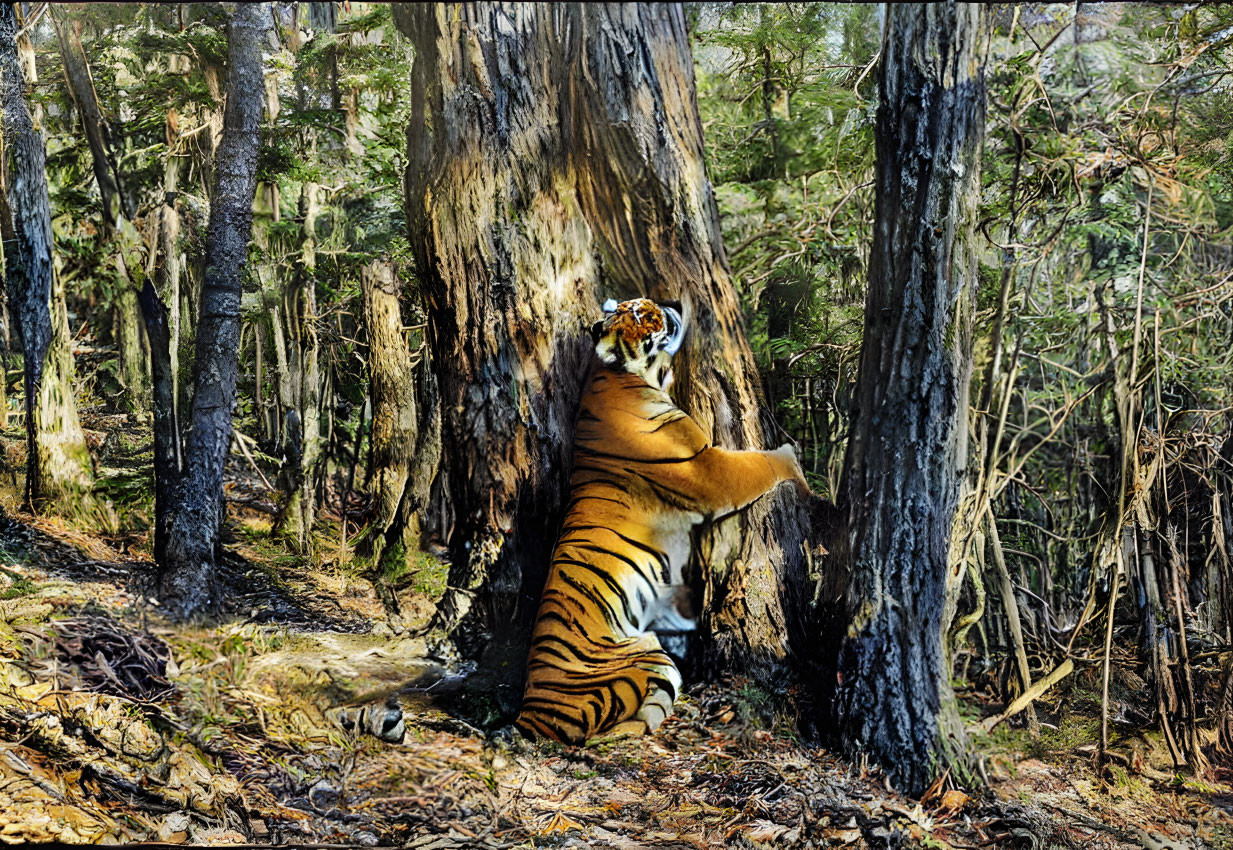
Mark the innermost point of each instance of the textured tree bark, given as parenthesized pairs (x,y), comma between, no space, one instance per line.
(166,434)
(130,349)
(187,575)
(58,462)
(406,420)
(159,300)
(906,450)
(555,159)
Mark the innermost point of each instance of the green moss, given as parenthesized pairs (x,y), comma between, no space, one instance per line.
(402,567)
(21,586)
(1072,731)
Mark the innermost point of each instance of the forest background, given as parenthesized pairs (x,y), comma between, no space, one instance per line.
(1091,545)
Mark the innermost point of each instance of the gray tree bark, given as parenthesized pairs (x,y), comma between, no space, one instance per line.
(58,465)
(906,450)
(297,348)
(555,159)
(187,571)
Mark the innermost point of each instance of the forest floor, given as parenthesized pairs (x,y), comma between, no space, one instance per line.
(118,726)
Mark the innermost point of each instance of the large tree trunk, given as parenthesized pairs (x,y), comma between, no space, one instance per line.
(187,569)
(906,451)
(58,462)
(555,159)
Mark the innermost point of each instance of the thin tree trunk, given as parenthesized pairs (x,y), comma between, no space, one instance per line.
(1011,606)
(908,437)
(302,384)
(58,461)
(159,301)
(532,197)
(188,582)
(167,461)
(81,89)
(167,283)
(130,350)
(126,324)
(406,435)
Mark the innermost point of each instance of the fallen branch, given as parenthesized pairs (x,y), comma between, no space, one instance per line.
(255,504)
(1031,694)
(239,440)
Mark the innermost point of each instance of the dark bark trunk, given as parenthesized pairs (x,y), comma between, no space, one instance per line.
(166,436)
(555,159)
(58,462)
(906,451)
(162,333)
(187,570)
(406,427)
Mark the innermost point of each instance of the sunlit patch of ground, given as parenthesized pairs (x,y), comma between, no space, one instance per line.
(116,725)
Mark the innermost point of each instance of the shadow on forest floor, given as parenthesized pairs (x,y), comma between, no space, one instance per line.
(248,591)
(118,725)
(114,722)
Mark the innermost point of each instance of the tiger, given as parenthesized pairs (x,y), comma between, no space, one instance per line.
(644,474)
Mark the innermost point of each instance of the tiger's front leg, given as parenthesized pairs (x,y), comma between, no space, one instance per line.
(717,482)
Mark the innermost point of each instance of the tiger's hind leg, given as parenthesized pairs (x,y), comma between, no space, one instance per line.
(655,709)
(662,683)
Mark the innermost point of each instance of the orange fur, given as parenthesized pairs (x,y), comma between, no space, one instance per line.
(644,474)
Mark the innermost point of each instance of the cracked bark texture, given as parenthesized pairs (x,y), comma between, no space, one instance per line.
(58,465)
(906,451)
(555,159)
(187,571)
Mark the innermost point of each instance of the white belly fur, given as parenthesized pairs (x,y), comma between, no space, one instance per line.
(673,538)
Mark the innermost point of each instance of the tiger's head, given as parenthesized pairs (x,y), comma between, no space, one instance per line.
(639,337)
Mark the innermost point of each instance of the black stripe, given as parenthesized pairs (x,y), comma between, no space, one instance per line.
(593,453)
(608,580)
(590,594)
(665,424)
(575,628)
(637,544)
(576,499)
(637,568)
(546,707)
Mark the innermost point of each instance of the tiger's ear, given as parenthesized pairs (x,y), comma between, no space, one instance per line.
(597,330)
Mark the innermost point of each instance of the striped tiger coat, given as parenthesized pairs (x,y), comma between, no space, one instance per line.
(644,474)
